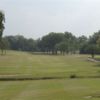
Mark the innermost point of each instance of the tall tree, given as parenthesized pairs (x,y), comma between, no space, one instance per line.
(49,41)
(62,47)
(92,45)
(2,20)
(71,41)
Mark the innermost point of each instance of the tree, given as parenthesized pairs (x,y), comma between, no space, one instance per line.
(71,41)
(2,20)
(19,42)
(92,45)
(62,47)
(92,48)
(4,45)
(54,42)
(49,41)
(82,40)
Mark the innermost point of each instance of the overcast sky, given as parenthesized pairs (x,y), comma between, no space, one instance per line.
(35,18)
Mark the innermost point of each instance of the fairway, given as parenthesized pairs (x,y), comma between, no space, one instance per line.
(23,64)
(78,89)
(59,68)
(49,50)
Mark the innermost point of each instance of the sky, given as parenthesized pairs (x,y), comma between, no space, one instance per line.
(36,18)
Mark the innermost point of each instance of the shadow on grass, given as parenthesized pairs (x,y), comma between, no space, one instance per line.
(38,53)
(28,78)
(97,65)
(45,78)
(45,53)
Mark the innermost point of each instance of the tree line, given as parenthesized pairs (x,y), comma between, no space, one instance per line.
(52,43)
(56,43)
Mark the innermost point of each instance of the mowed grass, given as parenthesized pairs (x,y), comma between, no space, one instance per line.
(76,89)
(23,64)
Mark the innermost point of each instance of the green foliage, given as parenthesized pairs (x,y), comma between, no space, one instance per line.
(49,41)
(20,43)
(54,42)
(82,40)
(62,47)
(2,20)
(92,46)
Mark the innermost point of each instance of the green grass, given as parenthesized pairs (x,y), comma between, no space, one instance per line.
(22,64)
(78,89)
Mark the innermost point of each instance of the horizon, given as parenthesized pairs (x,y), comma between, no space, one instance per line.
(45,35)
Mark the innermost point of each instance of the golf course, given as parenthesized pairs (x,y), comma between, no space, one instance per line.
(28,76)
(49,50)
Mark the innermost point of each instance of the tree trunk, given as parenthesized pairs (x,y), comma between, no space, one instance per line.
(92,55)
